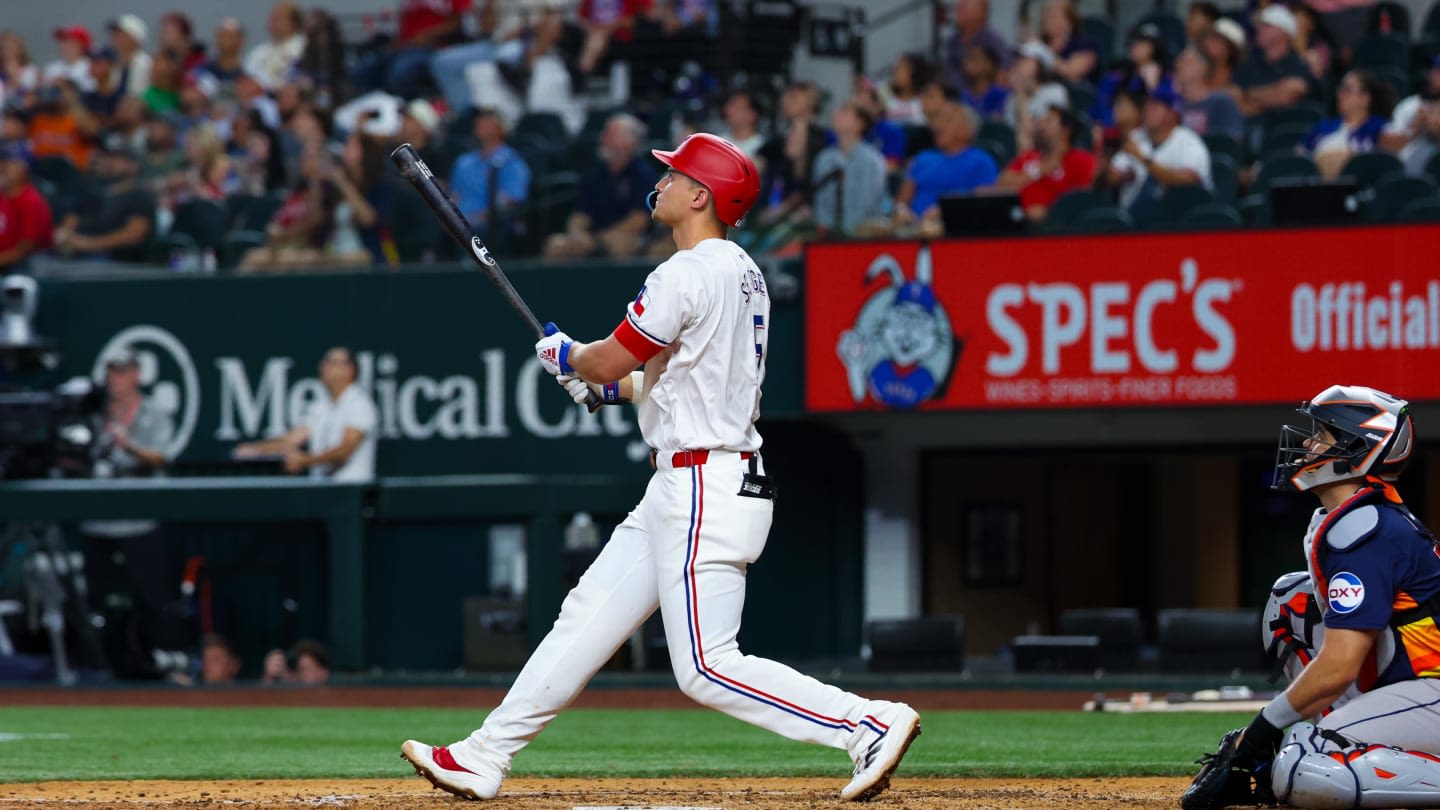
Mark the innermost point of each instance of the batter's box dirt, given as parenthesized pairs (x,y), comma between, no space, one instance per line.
(566,794)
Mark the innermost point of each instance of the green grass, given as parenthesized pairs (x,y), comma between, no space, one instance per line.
(137,743)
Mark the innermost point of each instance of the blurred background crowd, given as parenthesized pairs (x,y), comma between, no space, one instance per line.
(146,140)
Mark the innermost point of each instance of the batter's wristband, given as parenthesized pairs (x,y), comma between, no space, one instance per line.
(610,393)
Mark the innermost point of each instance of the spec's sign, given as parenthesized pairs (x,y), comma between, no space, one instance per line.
(1136,321)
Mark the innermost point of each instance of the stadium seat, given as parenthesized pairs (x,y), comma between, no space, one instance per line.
(1397,77)
(1423,209)
(1085,131)
(1368,168)
(1118,630)
(1002,152)
(1295,167)
(1102,33)
(1210,641)
(252,212)
(1285,138)
(203,221)
(1212,215)
(1382,50)
(998,131)
(1176,202)
(1109,219)
(1224,178)
(1172,29)
(928,644)
(1255,210)
(1220,144)
(1071,204)
(547,125)
(1395,192)
(1082,98)
(236,243)
(1388,14)
(57,170)
(1304,111)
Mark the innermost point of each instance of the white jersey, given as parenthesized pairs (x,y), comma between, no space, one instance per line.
(700,323)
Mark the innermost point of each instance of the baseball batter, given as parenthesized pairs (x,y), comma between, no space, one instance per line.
(1356,631)
(699,327)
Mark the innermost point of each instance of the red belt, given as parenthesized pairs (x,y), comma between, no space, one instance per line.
(693,458)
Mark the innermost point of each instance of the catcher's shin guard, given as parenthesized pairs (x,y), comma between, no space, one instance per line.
(1319,770)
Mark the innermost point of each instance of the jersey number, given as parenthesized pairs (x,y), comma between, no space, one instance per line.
(759,340)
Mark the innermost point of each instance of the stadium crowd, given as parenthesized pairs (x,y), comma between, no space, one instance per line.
(268,150)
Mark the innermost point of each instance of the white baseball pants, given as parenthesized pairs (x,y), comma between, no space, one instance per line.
(685,548)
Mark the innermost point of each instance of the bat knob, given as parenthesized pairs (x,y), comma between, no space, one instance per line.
(551,328)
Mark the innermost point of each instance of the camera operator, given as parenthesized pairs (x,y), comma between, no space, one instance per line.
(128,571)
(340,428)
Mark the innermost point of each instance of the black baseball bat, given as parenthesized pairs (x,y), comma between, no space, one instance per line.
(423,181)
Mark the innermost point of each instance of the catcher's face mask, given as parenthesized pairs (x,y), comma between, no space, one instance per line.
(1313,454)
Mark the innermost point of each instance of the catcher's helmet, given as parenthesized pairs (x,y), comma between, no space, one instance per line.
(720,166)
(1373,434)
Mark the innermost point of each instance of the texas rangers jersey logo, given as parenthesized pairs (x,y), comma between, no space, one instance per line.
(1346,592)
(902,349)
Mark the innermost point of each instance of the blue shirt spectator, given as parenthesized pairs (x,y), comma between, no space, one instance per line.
(952,167)
(1364,103)
(491,182)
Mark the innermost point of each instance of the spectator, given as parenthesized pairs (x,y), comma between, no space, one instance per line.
(1363,102)
(1126,111)
(60,125)
(1208,111)
(162,156)
(365,203)
(1414,130)
(119,223)
(177,36)
(259,160)
(271,63)
(26,226)
(1314,42)
(1159,155)
(228,63)
(197,101)
(424,26)
(982,89)
(972,30)
(14,127)
(250,94)
(18,74)
(339,429)
(511,34)
(1224,56)
(312,663)
(912,72)
(322,66)
(604,21)
(304,222)
(891,138)
(1034,88)
(1052,168)
(492,182)
(742,119)
(74,62)
(857,193)
(954,166)
(107,83)
(611,217)
(219,663)
(418,122)
(1146,66)
(1201,17)
(1275,76)
(128,559)
(127,128)
(163,94)
(127,37)
(788,157)
(1077,59)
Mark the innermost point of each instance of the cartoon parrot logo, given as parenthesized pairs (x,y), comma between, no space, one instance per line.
(902,349)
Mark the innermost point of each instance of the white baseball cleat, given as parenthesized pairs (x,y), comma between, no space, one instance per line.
(436,764)
(874,766)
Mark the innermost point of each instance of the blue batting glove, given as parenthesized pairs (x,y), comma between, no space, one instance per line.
(554,351)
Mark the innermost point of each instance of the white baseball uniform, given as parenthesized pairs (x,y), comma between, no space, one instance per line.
(699,323)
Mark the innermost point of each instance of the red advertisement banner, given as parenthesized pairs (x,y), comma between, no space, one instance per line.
(1123,321)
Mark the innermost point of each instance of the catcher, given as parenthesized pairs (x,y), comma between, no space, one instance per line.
(1364,655)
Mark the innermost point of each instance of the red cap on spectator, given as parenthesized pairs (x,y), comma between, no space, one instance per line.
(79,33)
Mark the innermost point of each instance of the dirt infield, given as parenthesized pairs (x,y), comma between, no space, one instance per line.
(565,794)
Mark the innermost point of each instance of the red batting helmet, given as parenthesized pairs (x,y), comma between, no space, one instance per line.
(721,167)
